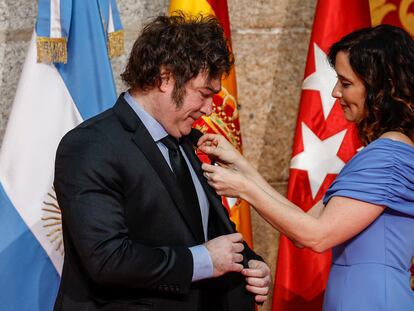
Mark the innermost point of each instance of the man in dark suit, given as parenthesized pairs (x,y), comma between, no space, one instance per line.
(142,229)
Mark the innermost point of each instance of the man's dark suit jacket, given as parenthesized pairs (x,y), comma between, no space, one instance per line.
(126,229)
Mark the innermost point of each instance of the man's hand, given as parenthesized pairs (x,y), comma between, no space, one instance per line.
(258,279)
(225,253)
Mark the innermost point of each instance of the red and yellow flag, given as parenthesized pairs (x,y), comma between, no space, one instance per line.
(225,116)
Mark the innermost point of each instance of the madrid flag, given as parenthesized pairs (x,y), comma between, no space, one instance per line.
(324,142)
(225,116)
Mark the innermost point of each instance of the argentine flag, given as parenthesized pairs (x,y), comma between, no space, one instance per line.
(67,77)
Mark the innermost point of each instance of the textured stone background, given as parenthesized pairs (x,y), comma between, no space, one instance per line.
(270,40)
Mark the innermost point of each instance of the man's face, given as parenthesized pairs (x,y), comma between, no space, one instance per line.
(197,101)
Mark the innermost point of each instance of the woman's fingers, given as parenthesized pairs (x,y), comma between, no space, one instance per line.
(208,168)
(208,141)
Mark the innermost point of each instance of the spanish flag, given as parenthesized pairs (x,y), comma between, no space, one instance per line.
(225,116)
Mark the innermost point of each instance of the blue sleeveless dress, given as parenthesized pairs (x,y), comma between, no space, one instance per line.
(370,272)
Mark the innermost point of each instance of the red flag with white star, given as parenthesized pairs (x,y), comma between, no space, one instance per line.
(324,142)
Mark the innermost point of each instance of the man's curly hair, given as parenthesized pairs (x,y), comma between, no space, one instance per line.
(383,58)
(182,44)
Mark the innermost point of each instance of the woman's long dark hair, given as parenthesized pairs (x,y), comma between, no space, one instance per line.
(383,58)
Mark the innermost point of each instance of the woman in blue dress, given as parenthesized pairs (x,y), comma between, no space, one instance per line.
(367,215)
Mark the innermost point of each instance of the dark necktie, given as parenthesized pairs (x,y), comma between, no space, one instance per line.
(182,174)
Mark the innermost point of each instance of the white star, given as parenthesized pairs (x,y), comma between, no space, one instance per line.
(322,80)
(319,157)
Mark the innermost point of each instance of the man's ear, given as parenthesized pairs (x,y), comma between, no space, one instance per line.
(166,80)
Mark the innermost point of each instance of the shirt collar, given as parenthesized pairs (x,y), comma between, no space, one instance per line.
(155,128)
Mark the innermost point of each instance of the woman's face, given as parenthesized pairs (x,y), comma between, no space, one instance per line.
(349,89)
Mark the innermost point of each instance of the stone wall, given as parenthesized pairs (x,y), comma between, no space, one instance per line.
(270,40)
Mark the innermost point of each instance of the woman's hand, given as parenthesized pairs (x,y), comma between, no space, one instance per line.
(219,149)
(225,181)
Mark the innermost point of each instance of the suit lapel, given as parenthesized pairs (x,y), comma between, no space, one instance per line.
(215,200)
(143,140)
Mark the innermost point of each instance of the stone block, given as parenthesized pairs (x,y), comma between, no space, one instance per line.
(269,72)
(247,14)
(283,108)
(17,14)
(135,14)
(12,56)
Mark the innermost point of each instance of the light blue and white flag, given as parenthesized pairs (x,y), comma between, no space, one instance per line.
(67,77)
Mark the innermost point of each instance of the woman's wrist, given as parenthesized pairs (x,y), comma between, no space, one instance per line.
(243,166)
(246,189)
